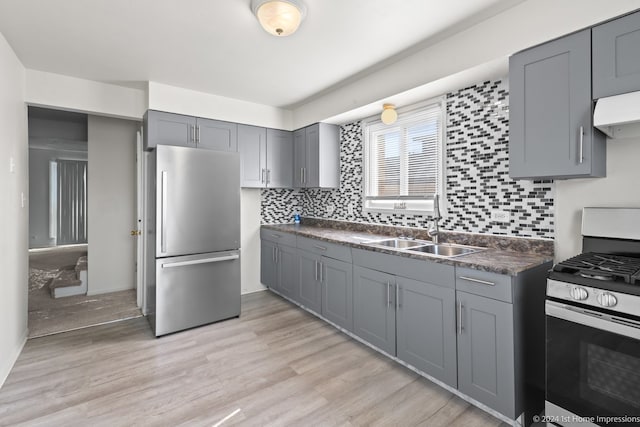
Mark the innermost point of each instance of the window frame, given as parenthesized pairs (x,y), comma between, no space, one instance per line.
(413,205)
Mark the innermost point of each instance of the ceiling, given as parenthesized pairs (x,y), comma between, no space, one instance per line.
(218,47)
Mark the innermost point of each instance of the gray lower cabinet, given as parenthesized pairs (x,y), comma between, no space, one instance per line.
(266,157)
(268,266)
(616,56)
(309,281)
(317,156)
(551,132)
(374,314)
(337,292)
(486,352)
(287,260)
(426,328)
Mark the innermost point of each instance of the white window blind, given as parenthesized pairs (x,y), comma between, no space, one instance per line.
(404,160)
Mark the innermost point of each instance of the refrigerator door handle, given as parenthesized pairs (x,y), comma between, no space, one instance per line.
(200,261)
(163,212)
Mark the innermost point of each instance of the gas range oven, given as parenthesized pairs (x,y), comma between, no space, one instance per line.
(593,325)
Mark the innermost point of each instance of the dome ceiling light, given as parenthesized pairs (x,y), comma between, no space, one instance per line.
(389,114)
(279,17)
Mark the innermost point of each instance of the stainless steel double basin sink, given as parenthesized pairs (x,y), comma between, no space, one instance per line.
(445,250)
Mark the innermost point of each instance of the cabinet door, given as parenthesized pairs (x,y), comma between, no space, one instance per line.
(169,129)
(300,157)
(486,352)
(268,270)
(337,292)
(426,328)
(217,135)
(287,260)
(550,127)
(279,158)
(616,56)
(312,156)
(252,145)
(309,281)
(374,316)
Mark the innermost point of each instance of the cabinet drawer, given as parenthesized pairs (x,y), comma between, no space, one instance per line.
(330,250)
(484,283)
(278,237)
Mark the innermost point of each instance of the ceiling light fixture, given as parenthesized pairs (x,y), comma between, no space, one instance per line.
(279,17)
(389,114)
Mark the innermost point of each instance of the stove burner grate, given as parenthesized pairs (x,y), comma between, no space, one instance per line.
(604,267)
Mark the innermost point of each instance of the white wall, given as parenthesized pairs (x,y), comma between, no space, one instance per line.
(527,24)
(111,211)
(618,189)
(13,216)
(250,243)
(184,101)
(86,96)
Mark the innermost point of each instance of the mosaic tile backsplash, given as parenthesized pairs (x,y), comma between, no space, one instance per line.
(477,176)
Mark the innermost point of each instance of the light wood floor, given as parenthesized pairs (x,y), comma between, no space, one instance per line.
(275,365)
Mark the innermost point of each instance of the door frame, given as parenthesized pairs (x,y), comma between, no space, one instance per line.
(141,167)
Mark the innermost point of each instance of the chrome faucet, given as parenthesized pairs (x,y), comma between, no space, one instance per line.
(434,228)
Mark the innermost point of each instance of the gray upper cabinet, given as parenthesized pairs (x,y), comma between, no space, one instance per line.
(374,314)
(216,135)
(486,368)
(168,129)
(176,129)
(551,112)
(616,56)
(317,156)
(337,292)
(266,157)
(426,327)
(279,158)
(252,145)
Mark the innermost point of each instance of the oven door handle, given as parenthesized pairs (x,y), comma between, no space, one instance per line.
(627,327)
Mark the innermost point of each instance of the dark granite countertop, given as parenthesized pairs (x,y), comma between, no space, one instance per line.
(503,255)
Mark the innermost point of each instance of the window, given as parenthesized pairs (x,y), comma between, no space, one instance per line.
(403,162)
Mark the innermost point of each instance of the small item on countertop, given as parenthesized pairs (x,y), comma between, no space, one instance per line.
(296,218)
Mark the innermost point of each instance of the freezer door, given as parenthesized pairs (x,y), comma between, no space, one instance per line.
(197,201)
(196,290)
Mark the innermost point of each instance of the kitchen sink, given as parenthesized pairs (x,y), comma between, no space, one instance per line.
(445,250)
(399,243)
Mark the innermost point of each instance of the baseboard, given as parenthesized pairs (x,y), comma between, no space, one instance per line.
(108,291)
(253,291)
(6,370)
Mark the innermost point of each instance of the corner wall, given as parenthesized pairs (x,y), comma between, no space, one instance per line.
(14,209)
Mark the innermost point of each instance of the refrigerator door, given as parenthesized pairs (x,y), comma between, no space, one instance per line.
(197,201)
(195,290)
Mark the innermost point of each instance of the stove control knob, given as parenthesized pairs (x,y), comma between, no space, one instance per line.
(607,299)
(578,293)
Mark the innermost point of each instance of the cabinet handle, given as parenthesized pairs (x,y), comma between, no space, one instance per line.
(581,144)
(268,176)
(398,305)
(322,248)
(193,133)
(273,254)
(301,177)
(460,307)
(321,268)
(263,172)
(277,236)
(198,134)
(482,282)
(388,294)
(316,272)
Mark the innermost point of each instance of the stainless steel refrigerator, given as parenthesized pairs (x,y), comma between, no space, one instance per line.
(193,222)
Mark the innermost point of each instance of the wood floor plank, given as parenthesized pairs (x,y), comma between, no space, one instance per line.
(274,366)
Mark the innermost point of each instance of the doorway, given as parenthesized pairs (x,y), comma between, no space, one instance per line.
(71,156)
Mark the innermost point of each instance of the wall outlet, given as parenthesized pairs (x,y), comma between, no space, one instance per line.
(500,216)
(330,209)
(350,208)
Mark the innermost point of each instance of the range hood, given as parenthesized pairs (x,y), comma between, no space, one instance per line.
(618,116)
